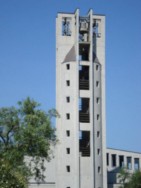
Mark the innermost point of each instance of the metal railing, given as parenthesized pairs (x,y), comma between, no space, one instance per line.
(84,117)
(84,148)
(84,84)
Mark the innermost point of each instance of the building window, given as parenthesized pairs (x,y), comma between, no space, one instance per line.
(136,164)
(68,82)
(67,66)
(98,134)
(98,151)
(66,26)
(97,83)
(67,116)
(68,133)
(97,28)
(113,160)
(121,161)
(99,169)
(97,67)
(68,150)
(97,100)
(129,163)
(68,168)
(67,99)
(97,116)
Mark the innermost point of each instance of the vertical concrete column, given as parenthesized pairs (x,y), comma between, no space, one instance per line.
(117,160)
(110,162)
(132,163)
(93,152)
(125,161)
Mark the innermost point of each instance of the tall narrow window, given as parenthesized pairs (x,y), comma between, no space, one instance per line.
(97,27)
(97,67)
(97,83)
(113,160)
(121,161)
(129,163)
(67,116)
(98,134)
(97,116)
(68,150)
(68,133)
(66,26)
(99,169)
(97,100)
(68,82)
(67,66)
(136,164)
(67,99)
(98,151)
(68,168)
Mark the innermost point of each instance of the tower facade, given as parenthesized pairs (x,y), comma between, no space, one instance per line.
(80,101)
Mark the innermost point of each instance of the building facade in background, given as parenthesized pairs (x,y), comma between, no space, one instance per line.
(117,159)
(80,155)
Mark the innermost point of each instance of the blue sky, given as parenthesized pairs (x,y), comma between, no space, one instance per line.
(27,59)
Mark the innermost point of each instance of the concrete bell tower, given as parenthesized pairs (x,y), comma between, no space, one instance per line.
(80,97)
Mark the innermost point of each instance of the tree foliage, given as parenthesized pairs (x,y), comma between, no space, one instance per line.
(26,135)
(123,177)
(129,180)
(135,180)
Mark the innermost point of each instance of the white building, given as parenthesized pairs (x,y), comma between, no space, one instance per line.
(117,159)
(80,96)
(80,155)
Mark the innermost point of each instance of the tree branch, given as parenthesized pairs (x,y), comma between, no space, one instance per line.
(7,135)
(3,139)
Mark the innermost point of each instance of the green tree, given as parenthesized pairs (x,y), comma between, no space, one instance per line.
(129,180)
(26,135)
(135,180)
(123,177)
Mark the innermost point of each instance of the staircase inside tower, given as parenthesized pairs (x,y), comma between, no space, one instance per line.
(84,115)
(84,143)
(84,78)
